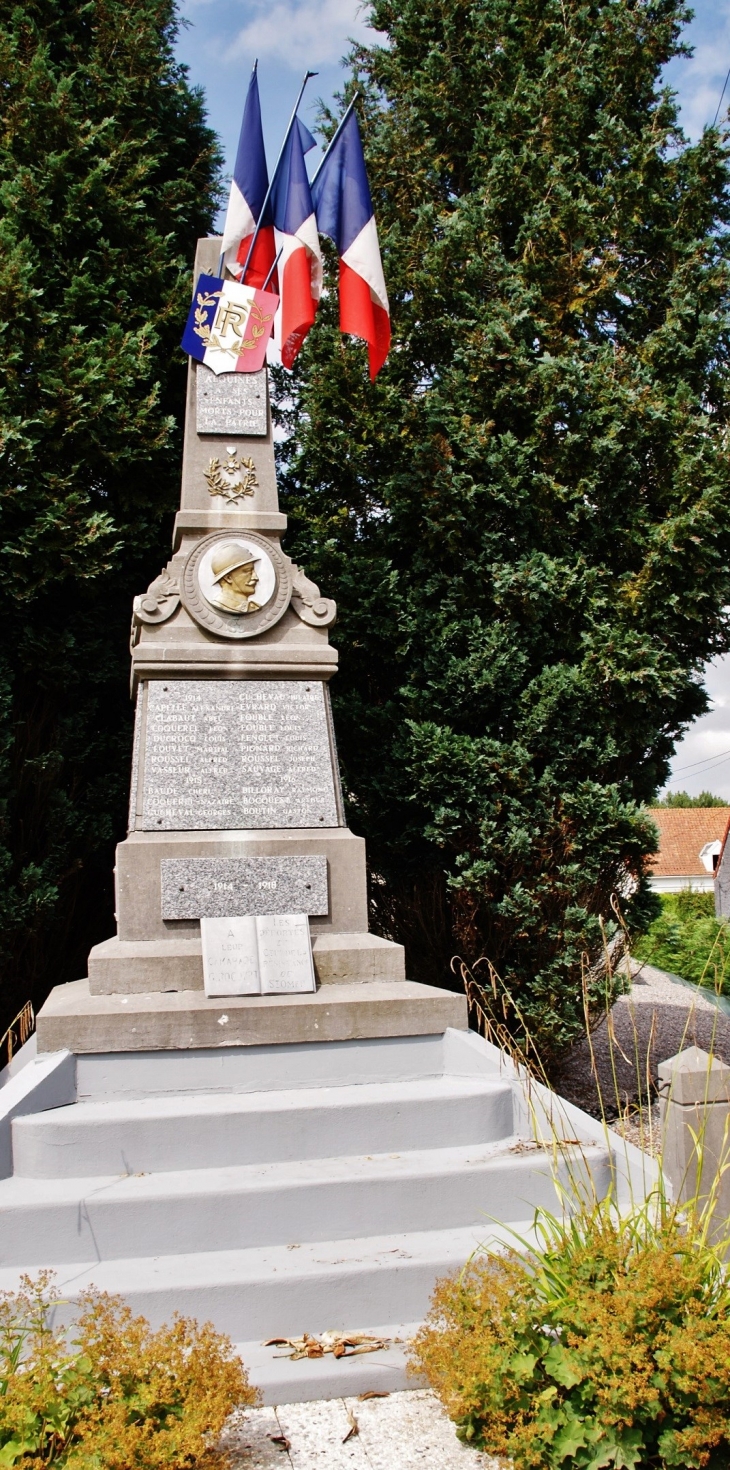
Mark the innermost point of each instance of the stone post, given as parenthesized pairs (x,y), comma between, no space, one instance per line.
(694,1097)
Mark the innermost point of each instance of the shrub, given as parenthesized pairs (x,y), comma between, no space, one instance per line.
(688,940)
(611,1347)
(118,1396)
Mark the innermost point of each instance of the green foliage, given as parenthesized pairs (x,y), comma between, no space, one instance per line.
(107,176)
(610,1348)
(686,939)
(681,799)
(525,519)
(117,1397)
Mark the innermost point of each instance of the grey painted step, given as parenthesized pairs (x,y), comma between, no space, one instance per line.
(283,1204)
(273,1291)
(171,1133)
(281,1381)
(117,1075)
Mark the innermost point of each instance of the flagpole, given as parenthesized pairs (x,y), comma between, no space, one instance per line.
(334,137)
(307,76)
(254,70)
(273,268)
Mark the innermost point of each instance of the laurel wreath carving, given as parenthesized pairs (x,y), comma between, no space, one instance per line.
(221,479)
(211,339)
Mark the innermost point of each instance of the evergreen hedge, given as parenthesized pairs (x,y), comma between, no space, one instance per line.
(108,173)
(525,520)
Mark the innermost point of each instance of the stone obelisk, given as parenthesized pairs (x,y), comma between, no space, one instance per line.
(235,803)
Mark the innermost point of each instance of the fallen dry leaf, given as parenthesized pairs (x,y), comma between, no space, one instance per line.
(354,1427)
(340,1344)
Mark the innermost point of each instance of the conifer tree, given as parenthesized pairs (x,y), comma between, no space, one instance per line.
(107,176)
(526,519)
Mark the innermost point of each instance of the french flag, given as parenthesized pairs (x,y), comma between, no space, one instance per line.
(344,210)
(300,265)
(249,187)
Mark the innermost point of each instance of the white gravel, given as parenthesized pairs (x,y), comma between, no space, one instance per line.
(404,1431)
(653,987)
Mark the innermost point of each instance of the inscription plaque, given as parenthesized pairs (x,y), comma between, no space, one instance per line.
(217,754)
(232,403)
(219,887)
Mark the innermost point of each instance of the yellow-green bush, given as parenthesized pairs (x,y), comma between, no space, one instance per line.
(688,940)
(611,1347)
(112,1394)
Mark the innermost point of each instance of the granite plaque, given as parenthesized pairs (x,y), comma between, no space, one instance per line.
(218,754)
(268,955)
(232,403)
(218,887)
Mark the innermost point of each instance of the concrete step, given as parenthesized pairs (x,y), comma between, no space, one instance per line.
(282,1204)
(275,1291)
(170,1133)
(282,1381)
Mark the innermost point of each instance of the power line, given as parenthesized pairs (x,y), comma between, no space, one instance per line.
(722,94)
(708,760)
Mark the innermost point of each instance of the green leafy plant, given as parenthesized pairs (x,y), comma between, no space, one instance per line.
(608,1345)
(111,1394)
(687,940)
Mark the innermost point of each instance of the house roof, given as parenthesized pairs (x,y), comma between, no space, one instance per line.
(683,832)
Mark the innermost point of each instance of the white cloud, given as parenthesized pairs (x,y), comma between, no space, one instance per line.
(309,33)
(702,759)
(699,79)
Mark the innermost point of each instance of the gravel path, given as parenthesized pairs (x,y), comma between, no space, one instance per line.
(403,1431)
(659,1018)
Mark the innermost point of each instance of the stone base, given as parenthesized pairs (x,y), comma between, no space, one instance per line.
(145,966)
(138,874)
(343,957)
(182,1020)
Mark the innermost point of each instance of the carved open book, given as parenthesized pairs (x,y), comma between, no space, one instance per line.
(269,954)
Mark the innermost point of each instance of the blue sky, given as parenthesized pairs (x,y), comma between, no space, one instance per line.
(223,37)
(219,44)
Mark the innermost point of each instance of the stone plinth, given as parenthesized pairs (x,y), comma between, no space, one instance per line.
(73,1018)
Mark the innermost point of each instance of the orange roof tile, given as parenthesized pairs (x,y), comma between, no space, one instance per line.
(683,831)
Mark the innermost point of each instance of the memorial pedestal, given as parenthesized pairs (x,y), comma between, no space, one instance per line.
(184,1020)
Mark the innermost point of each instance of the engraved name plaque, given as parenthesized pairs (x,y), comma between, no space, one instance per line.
(233,403)
(216,754)
(218,887)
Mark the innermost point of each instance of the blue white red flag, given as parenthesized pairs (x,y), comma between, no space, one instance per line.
(229,325)
(344,210)
(300,267)
(249,186)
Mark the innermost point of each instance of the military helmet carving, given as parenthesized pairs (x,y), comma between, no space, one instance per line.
(229,558)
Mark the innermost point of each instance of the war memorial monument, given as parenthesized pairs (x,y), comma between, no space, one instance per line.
(235,805)
(223,1119)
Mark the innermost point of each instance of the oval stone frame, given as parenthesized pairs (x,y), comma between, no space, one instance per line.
(236,625)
